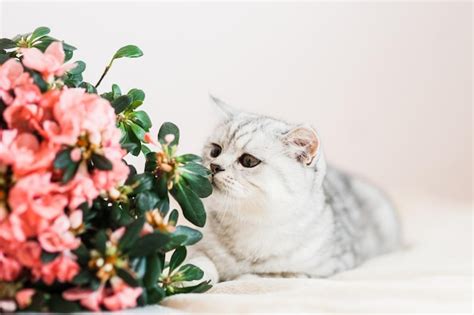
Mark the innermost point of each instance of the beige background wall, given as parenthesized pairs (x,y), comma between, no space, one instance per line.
(388,85)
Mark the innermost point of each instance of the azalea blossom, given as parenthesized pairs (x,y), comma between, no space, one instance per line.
(59,237)
(50,63)
(9,268)
(120,296)
(63,269)
(24,297)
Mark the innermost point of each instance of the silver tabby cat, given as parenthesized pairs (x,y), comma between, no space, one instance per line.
(279,211)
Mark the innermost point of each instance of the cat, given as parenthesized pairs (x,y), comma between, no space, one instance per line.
(278,210)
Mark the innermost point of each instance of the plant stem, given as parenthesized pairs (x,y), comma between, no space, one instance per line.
(104,73)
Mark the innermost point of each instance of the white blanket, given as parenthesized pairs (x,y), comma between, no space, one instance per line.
(432,273)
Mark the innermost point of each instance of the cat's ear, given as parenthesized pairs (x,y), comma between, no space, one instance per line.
(225,108)
(303,144)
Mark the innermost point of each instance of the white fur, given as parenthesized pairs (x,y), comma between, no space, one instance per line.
(269,219)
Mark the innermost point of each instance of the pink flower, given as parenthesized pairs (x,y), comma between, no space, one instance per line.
(123,296)
(58,237)
(50,63)
(76,219)
(81,188)
(147,229)
(29,254)
(6,140)
(148,138)
(119,297)
(9,268)
(11,230)
(117,235)
(24,297)
(62,268)
(79,113)
(106,180)
(10,72)
(30,155)
(25,117)
(86,297)
(37,193)
(31,223)
(76,154)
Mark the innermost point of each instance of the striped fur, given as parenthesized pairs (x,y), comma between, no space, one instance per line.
(284,218)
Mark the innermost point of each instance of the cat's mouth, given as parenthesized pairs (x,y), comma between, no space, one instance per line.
(217,184)
(214,183)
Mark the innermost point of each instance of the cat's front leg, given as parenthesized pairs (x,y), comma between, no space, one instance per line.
(207,266)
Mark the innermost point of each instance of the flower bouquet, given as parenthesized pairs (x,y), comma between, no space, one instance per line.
(80,229)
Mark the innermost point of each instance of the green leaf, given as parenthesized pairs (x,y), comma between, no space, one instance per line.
(125,218)
(101,162)
(39,81)
(121,103)
(63,159)
(145,149)
(79,68)
(100,240)
(199,184)
(142,300)
(39,32)
(188,272)
(153,271)
(88,87)
(60,305)
(116,92)
(129,141)
(137,130)
(83,277)
(68,47)
(47,257)
(177,258)
(38,302)
(148,244)
(3,57)
(136,95)
(155,294)
(147,200)
(163,205)
(82,254)
(44,42)
(139,267)
(69,172)
(150,162)
(173,218)
(6,43)
(189,158)
(192,236)
(199,288)
(142,181)
(192,206)
(166,129)
(126,276)
(195,169)
(129,51)
(142,119)
(132,234)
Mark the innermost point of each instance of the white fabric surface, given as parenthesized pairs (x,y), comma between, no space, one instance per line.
(432,273)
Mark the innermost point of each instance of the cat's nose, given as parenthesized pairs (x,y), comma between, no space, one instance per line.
(216,168)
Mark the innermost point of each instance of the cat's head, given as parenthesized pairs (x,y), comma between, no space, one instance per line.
(254,157)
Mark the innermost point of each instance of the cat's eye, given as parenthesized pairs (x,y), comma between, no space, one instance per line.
(216,150)
(248,160)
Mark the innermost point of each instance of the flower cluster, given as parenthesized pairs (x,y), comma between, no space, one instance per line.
(37,211)
(74,217)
